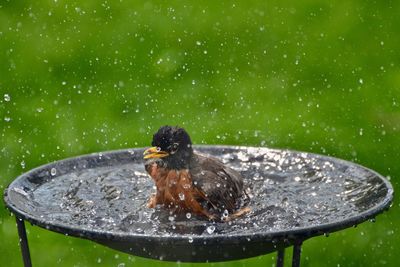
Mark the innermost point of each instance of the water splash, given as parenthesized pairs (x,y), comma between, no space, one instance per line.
(287,190)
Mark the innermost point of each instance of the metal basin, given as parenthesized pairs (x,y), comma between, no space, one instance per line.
(294,196)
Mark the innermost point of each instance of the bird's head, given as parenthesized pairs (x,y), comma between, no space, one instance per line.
(171,145)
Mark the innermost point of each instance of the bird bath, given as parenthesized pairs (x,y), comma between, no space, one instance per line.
(293,196)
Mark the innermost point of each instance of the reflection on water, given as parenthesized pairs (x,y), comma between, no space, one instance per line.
(287,189)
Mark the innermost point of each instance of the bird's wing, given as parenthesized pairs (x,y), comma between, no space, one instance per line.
(221,185)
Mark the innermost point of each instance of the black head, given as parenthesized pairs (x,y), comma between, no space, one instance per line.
(172,145)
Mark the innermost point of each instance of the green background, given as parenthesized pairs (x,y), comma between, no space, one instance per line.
(319,76)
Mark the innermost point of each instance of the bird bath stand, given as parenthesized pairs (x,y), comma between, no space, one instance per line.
(293,196)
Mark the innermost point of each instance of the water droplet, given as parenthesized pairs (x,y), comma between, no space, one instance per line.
(390,232)
(181,196)
(23,164)
(188,215)
(171,218)
(7,119)
(53,171)
(193,82)
(190,239)
(225,215)
(7,97)
(361,81)
(210,229)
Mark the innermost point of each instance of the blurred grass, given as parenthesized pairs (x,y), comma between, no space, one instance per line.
(87,76)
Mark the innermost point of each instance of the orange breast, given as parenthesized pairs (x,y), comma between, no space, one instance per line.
(175,190)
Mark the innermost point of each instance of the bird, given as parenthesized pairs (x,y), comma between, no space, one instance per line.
(187,181)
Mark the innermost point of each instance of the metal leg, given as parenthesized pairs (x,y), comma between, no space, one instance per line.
(296,254)
(23,242)
(280,257)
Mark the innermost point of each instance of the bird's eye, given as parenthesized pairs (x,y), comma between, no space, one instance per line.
(174,147)
(158,149)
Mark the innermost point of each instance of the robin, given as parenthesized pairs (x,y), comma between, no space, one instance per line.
(190,182)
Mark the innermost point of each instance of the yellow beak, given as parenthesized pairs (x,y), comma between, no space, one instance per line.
(154,152)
